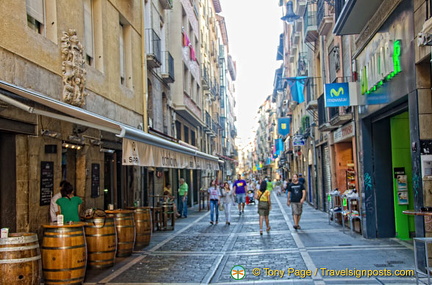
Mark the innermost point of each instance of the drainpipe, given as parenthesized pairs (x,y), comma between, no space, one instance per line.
(144,67)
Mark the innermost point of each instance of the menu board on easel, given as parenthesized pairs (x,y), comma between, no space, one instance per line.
(46,182)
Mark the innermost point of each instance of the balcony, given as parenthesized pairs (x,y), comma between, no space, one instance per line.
(153,49)
(323,122)
(300,7)
(313,88)
(205,79)
(167,69)
(340,115)
(310,27)
(166,4)
(352,16)
(325,17)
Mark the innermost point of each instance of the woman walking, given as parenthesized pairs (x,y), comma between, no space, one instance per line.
(228,201)
(264,205)
(214,197)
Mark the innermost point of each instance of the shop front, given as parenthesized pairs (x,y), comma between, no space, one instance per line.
(387,127)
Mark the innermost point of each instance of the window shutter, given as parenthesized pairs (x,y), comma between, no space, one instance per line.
(88,27)
(122,52)
(35,9)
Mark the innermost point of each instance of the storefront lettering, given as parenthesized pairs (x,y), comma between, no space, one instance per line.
(168,160)
(382,66)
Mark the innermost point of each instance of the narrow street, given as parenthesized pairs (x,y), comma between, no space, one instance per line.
(199,253)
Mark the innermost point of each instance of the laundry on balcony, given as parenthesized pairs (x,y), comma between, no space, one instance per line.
(192,53)
(186,41)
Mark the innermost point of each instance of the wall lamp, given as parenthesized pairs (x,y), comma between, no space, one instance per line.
(72,145)
(51,134)
(107,150)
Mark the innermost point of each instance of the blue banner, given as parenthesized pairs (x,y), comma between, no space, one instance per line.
(278,146)
(337,94)
(284,126)
(296,85)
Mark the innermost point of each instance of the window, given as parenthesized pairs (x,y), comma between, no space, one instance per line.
(122,55)
(186,134)
(36,15)
(193,139)
(88,32)
(125,56)
(178,130)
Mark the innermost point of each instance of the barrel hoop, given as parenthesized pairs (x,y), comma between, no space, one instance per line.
(101,235)
(66,281)
(20,260)
(63,247)
(132,226)
(64,236)
(101,260)
(63,230)
(63,269)
(99,252)
(107,225)
(125,242)
(19,240)
(19,248)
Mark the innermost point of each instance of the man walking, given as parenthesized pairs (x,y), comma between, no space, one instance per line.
(183,195)
(296,198)
(240,189)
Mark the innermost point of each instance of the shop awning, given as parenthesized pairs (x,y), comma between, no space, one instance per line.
(154,151)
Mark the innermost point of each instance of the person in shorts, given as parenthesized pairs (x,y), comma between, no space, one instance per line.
(296,198)
(240,190)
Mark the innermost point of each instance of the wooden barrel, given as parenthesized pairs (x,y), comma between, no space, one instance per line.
(143,224)
(168,216)
(20,259)
(101,240)
(64,254)
(125,226)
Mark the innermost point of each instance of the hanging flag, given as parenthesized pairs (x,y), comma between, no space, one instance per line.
(297,85)
(284,126)
(278,146)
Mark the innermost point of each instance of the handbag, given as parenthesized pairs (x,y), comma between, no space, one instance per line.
(221,207)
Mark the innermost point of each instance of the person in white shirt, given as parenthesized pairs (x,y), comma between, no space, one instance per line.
(54,209)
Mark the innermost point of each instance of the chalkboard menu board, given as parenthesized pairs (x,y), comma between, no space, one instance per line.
(95,180)
(46,182)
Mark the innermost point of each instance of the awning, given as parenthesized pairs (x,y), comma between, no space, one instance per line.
(148,145)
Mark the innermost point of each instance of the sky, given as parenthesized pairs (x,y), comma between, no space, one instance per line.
(253,30)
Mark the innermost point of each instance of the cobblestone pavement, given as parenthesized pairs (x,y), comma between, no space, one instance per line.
(320,253)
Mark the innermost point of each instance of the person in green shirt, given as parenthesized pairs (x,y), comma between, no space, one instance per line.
(69,204)
(183,195)
(269,184)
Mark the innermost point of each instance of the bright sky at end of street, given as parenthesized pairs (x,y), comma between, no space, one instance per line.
(253,37)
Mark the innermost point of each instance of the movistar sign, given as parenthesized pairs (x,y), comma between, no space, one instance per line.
(337,94)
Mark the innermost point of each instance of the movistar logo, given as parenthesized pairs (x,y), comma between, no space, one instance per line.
(333,92)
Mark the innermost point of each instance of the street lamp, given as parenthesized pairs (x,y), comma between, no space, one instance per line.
(290,16)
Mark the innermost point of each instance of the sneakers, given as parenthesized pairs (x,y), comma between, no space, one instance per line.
(211,222)
(239,213)
(297,227)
